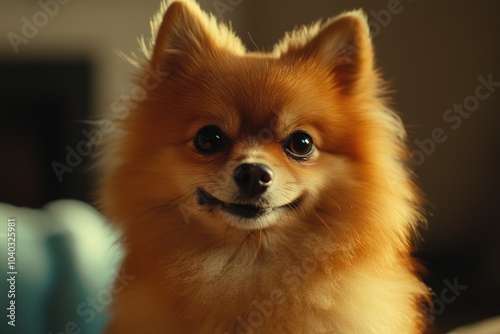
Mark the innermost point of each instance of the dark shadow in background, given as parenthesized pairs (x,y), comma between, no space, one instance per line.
(42,106)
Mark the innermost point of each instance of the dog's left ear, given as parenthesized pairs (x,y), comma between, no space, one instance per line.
(343,45)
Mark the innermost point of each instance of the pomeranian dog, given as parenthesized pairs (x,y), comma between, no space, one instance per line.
(263,192)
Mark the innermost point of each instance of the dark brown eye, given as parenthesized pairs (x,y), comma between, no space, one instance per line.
(299,145)
(210,139)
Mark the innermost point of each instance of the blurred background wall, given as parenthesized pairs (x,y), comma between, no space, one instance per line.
(58,68)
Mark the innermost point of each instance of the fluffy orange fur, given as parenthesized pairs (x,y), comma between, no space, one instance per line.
(338,262)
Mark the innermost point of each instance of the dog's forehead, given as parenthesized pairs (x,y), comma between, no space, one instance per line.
(257,91)
(252,96)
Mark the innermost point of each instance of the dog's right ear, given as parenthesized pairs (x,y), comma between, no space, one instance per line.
(185,31)
(181,32)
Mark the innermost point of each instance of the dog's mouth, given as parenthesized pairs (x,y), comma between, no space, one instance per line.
(247,211)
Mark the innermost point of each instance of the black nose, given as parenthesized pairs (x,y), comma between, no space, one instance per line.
(253,179)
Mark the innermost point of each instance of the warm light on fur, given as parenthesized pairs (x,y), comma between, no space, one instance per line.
(338,261)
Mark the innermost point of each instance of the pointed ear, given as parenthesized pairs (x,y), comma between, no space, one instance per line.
(184,30)
(343,45)
(181,31)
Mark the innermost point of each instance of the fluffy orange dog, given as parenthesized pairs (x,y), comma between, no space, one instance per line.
(263,192)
